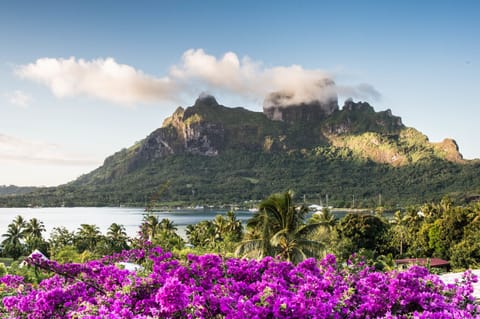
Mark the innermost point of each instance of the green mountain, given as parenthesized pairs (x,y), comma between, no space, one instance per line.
(11,190)
(209,153)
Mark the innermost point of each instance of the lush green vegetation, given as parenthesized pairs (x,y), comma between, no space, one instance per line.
(85,277)
(234,177)
(355,152)
(279,229)
(14,190)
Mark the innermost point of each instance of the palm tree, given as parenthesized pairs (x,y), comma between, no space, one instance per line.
(164,234)
(116,231)
(190,232)
(400,230)
(117,237)
(20,222)
(150,226)
(33,234)
(12,244)
(414,216)
(234,227)
(34,228)
(280,231)
(167,226)
(201,234)
(221,225)
(88,236)
(60,237)
(326,217)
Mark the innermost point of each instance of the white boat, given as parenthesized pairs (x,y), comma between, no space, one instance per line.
(318,210)
(315,208)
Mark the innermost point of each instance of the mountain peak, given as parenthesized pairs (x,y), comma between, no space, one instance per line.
(313,111)
(205,99)
(302,106)
(231,153)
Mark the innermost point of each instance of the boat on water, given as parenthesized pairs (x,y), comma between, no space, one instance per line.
(315,208)
(318,209)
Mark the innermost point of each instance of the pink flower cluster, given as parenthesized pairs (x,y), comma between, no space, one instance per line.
(210,286)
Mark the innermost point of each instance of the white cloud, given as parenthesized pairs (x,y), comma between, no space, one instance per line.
(101,78)
(18,98)
(38,152)
(248,78)
(196,72)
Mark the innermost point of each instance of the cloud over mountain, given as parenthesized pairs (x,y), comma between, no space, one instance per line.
(196,71)
(101,78)
(249,78)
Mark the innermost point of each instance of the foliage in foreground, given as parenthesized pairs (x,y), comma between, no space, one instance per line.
(210,286)
(278,229)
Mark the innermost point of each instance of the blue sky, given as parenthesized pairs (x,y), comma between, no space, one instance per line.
(81,80)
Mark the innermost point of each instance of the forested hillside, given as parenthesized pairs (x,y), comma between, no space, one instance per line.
(212,154)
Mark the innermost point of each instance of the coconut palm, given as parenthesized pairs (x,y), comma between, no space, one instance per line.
(234,227)
(221,225)
(167,226)
(87,237)
(281,231)
(34,228)
(164,234)
(325,217)
(33,235)
(150,226)
(400,230)
(60,237)
(117,237)
(116,232)
(12,244)
(201,234)
(190,232)
(19,222)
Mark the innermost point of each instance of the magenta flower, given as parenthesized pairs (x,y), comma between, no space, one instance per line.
(172,297)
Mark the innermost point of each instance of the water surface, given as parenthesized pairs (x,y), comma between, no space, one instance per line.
(103,217)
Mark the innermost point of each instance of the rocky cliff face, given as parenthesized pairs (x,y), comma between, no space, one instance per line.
(449,149)
(208,129)
(184,132)
(360,117)
(236,140)
(204,138)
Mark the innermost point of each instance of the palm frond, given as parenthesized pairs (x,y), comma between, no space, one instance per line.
(311,229)
(276,239)
(251,248)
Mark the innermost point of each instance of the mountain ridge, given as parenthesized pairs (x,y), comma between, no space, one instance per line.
(208,128)
(212,153)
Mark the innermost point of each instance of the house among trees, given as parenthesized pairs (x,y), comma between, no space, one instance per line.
(425,262)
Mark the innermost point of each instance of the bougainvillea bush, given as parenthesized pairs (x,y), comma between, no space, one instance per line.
(210,286)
